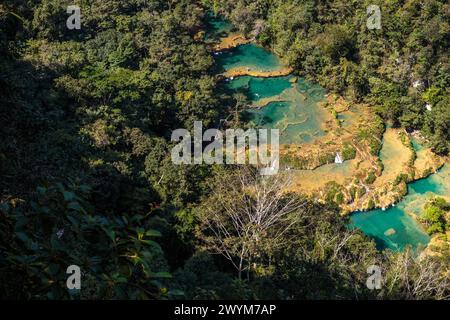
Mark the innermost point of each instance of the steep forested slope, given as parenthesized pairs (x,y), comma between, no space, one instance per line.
(86,176)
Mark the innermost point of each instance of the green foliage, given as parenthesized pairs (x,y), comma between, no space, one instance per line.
(353,191)
(340,198)
(98,105)
(117,255)
(361,192)
(348,151)
(200,278)
(370,204)
(294,161)
(315,271)
(402,177)
(371,177)
(333,193)
(434,215)
(326,158)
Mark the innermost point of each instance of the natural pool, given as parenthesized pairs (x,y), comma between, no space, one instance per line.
(217,27)
(294,110)
(420,191)
(391,229)
(259,88)
(250,56)
(292,103)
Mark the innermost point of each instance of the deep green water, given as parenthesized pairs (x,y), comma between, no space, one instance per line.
(420,191)
(299,119)
(298,115)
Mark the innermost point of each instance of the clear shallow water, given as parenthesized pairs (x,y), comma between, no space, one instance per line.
(418,147)
(438,183)
(376,223)
(258,88)
(295,110)
(420,191)
(390,153)
(300,119)
(251,56)
(217,27)
(298,115)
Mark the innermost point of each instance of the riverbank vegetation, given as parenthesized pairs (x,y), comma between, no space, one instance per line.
(86,176)
(394,72)
(398,69)
(435,215)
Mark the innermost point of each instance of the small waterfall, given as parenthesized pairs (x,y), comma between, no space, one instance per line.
(338,158)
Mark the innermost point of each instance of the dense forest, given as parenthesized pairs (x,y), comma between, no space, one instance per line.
(86,176)
(398,69)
